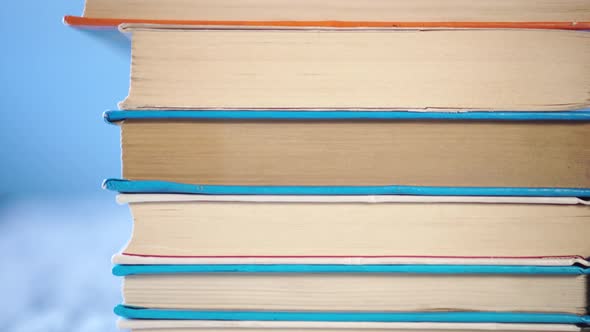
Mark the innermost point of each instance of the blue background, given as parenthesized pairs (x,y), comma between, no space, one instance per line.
(56,81)
(58,228)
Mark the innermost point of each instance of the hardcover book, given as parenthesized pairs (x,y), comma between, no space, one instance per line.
(485,69)
(354,293)
(188,229)
(333,149)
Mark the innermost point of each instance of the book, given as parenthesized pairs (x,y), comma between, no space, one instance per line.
(458,69)
(155,325)
(334,150)
(323,289)
(448,13)
(355,229)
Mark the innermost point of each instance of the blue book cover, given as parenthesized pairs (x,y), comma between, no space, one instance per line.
(578,115)
(441,269)
(455,317)
(152,186)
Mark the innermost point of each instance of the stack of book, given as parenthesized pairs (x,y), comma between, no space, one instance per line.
(310,165)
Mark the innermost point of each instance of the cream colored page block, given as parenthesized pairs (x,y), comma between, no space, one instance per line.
(372,199)
(344,10)
(280,229)
(425,153)
(461,69)
(357,292)
(272,326)
(122,258)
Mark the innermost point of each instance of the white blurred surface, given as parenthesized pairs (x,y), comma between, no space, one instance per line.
(56,269)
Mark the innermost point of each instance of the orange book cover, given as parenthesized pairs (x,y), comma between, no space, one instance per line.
(79,21)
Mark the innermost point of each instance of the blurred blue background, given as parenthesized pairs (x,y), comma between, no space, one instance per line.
(58,229)
(56,81)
